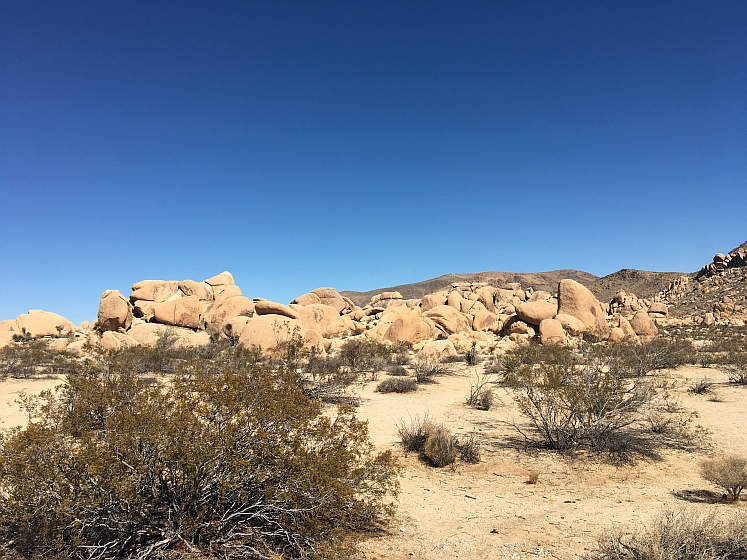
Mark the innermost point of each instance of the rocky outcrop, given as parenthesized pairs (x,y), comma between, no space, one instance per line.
(115,312)
(448,319)
(576,300)
(38,323)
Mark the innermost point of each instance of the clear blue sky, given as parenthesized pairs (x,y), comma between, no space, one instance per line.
(362,144)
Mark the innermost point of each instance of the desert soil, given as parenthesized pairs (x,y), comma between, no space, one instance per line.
(489,510)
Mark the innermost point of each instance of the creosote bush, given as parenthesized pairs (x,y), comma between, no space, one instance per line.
(683,534)
(397,385)
(426,370)
(441,447)
(364,355)
(227,459)
(436,442)
(34,358)
(728,472)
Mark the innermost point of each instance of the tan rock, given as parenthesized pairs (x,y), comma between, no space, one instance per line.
(307,299)
(454,300)
(115,311)
(222,279)
(534,312)
(330,296)
(44,323)
(270,331)
(184,312)
(659,308)
(628,331)
(325,319)
(709,320)
(571,324)
(429,301)
(449,319)
(153,290)
(144,309)
(643,326)
(59,344)
(202,290)
(577,300)
(236,306)
(463,341)
(617,335)
(437,350)
(520,327)
(7,330)
(402,324)
(222,293)
(486,296)
(111,340)
(484,320)
(233,327)
(266,307)
(551,332)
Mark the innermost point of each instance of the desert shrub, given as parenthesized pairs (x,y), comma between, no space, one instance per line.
(412,436)
(364,355)
(573,406)
(33,358)
(702,386)
(469,450)
(236,463)
(636,360)
(472,357)
(441,447)
(455,359)
(397,385)
(397,371)
(401,354)
(325,377)
(728,472)
(533,477)
(426,370)
(481,396)
(678,535)
(736,364)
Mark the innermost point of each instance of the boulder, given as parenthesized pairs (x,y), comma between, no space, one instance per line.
(709,320)
(330,296)
(115,312)
(266,307)
(486,296)
(571,324)
(454,300)
(144,309)
(59,344)
(628,331)
(534,312)
(643,326)
(236,306)
(111,340)
(429,301)
(183,312)
(617,335)
(233,327)
(551,332)
(449,319)
(223,279)
(484,320)
(202,290)
(437,350)
(43,323)
(463,341)
(307,299)
(659,308)
(270,331)
(402,324)
(520,327)
(149,334)
(577,300)
(7,330)
(325,319)
(153,290)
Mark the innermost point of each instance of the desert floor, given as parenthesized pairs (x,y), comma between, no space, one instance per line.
(489,510)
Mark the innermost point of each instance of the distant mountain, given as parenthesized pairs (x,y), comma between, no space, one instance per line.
(642,283)
(536,280)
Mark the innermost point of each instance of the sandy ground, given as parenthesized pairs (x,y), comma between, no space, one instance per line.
(489,510)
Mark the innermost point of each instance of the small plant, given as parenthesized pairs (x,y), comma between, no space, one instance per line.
(728,472)
(533,477)
(426,370)
(397,371)
(441,447)
(469,450)
(397,385)
(413,435)
(472,357)
(25,336)
(705,358)
(702,386)
(481,396)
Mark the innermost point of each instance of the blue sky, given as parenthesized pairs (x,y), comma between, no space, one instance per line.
(362,144)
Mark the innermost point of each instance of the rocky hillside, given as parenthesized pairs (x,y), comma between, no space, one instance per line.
(546,281)
(640,282)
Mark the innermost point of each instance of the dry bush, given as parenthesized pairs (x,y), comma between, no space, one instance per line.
(224,461)
(396,370)
(397,385)
(702,386)
(325,377)
(441,447)
(426,370)
(728,472)
(469,450)
(472,357)
(533,477)
(481,396)
(34,358)
(364,355)
(678,535)
(413,435)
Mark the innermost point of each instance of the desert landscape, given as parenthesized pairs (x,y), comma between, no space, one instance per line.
(461,359)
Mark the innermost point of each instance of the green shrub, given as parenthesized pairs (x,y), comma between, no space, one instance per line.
(678,535)
(728,472)
(229,461)
(397,385)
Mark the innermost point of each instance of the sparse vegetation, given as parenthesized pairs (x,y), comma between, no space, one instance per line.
(413,435)
(33,358)
(472,356)
(533,477)
(481,396)
(426,370)
(436,442)
(441,447)
(728,472)
(678,535)
(228,458)
(702,386)
(397,385)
